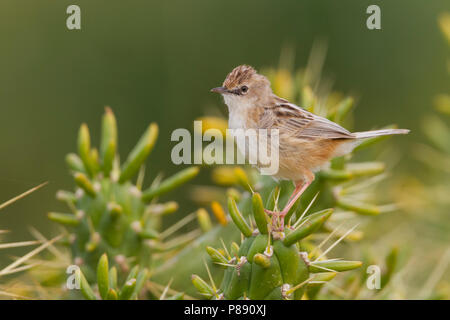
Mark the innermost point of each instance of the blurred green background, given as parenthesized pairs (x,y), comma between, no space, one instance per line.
(157,60)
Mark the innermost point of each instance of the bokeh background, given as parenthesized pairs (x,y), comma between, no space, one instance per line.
(157,60)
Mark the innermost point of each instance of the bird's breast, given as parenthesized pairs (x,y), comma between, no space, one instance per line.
(236,120)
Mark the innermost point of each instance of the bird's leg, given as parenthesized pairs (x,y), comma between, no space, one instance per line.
(270,212)
(297,186)
(300,187)
(298,191)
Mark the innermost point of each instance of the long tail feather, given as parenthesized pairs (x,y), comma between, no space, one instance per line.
(375,133)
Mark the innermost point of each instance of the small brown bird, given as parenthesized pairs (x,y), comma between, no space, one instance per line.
(306,141)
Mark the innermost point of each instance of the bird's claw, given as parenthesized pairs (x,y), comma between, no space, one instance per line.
(281,214)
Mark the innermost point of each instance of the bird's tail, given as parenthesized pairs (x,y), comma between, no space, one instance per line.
(383,132)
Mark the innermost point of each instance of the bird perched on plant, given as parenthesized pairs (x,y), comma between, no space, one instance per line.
(306,141)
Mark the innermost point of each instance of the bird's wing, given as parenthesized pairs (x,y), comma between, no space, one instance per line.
(299,123)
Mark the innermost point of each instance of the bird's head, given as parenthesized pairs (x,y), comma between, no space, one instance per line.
(244,86)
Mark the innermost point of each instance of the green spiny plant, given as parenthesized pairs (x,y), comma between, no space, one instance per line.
(22,263)
(110,213)
(107,282)
(107,286)
(270,262)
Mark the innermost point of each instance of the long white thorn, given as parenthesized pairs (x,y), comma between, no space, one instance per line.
(323,268)
(35,233)
(325,240)
(225,248)
(28,255)
(15,296)
(436,274)
(210,277)
(365,183)
(178,225)
(22,268)
(277,197)
(20,196)
(306,210)
(336,242)
(163,294)
(19,244)
(298,286)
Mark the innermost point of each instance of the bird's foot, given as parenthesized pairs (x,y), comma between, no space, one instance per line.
(277,219)
(281,214)
(284,212)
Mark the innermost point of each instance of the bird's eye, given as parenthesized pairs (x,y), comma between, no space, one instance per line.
(244,89)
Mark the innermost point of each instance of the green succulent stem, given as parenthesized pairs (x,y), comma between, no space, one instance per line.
(238,219)
(140,152)
(170,183)
(66,219)
(103,276)
(334,266)
(310,225)
(261,218)
(84,183)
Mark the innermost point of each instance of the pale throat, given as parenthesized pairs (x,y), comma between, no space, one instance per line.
(238,110)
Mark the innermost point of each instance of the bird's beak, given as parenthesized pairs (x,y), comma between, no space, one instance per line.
(220,90)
